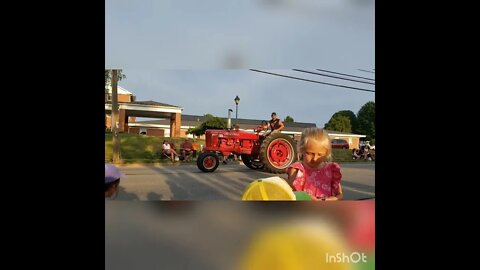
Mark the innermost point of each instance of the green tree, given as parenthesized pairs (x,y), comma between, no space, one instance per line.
(339,123)
(211,122)
(366,120)
(288,119)
(108,76)
(353,119)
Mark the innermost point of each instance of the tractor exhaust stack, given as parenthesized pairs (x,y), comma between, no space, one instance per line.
(229,120)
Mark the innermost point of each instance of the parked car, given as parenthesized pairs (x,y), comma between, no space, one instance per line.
(339,143)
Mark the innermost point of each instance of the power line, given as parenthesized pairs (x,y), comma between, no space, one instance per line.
(299,70)
(345,74)
(296,78)
(366,71)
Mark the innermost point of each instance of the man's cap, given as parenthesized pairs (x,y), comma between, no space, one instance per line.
(112,173)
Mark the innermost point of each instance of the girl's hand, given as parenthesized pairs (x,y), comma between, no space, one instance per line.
(333,198)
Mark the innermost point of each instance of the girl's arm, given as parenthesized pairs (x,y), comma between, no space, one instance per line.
(292,174)
(336,182)
(339,196)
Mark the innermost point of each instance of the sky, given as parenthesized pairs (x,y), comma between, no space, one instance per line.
(197,54)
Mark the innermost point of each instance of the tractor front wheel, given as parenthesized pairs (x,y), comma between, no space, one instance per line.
(207,161)
(278,151)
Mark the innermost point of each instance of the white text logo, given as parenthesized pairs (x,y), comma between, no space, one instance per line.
(340,257)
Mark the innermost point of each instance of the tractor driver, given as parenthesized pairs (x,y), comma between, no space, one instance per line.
(276,124)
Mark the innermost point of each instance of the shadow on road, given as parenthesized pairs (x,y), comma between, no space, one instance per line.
(227,183)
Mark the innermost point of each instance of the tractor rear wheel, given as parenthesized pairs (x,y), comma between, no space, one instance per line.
(207,161)
(278,151)
(249,161)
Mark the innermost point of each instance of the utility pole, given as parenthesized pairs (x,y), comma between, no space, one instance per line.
(114,122)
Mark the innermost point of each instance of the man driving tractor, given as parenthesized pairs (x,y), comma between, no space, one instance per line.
(276,124)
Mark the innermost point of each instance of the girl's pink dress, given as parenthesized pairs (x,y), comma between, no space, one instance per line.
(318,183)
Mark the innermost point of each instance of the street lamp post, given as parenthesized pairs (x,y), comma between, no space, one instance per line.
(237,100)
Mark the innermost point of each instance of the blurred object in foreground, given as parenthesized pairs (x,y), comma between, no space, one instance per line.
(302,196)
(268,189)
(233,235)
(299,245)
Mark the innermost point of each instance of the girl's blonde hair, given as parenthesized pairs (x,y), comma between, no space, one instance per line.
(319,135)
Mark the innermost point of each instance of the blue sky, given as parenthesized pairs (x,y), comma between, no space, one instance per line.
(196,54)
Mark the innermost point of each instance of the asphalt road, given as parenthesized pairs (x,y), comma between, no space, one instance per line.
(187,182)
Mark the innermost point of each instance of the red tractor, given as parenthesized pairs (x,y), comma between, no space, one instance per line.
(271,151)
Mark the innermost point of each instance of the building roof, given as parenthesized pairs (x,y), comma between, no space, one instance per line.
(346,134)
(194,120)
(153,103)
(242,121)
(120,90)
(337,132)
(146,103)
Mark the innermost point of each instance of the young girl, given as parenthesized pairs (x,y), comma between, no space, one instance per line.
(315,174)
